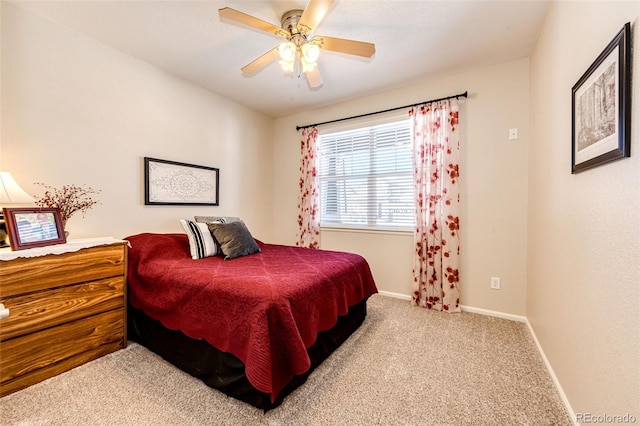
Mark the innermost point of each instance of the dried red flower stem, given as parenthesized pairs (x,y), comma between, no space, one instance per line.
(69,199)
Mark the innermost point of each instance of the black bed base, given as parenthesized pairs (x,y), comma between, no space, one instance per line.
(225,372)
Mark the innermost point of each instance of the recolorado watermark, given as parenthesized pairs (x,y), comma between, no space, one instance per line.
(584,418)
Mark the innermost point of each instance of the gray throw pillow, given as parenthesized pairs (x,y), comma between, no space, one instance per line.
(234,239)
(222,219)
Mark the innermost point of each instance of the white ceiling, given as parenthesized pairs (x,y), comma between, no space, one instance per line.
(415,41)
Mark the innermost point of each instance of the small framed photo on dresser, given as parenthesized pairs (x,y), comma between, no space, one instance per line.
(29,227)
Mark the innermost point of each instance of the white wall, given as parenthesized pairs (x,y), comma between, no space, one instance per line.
(493,176)
(583,296)
(77,112)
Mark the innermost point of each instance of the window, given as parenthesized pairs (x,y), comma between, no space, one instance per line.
(366,177)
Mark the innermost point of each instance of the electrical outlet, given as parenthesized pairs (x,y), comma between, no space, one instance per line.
(513,134)
(495,283)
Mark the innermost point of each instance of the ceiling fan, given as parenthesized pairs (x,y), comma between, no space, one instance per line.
(302,45)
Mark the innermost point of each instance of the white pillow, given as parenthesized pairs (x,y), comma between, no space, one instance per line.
(201,242)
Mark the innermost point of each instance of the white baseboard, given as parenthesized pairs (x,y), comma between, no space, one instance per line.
(563,396)
(504,315)
(518,318)
(463,307)
(394,295)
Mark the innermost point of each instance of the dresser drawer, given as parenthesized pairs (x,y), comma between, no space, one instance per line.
(25,275)
(64,310)
(31,358)
(48,308)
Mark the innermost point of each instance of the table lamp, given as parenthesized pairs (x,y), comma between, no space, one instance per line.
(10,194)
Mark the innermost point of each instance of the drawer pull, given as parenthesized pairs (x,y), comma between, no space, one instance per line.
(4,312)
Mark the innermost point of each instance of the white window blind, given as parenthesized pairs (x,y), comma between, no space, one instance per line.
(366,178)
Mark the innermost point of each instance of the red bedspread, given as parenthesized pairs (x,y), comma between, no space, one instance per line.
(265,308)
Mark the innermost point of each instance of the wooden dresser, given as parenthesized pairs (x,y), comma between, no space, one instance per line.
(64,310)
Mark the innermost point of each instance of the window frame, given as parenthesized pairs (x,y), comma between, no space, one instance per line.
(353,125)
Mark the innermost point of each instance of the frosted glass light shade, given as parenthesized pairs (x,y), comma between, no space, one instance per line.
(287,66)
(307,66)
(287,51)
(310,52)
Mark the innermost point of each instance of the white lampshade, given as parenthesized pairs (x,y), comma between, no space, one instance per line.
(10,191)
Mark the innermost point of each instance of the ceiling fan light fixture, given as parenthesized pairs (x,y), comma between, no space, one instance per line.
(301,49)
(287,51)
(287,66)
(307,66)
(310,52)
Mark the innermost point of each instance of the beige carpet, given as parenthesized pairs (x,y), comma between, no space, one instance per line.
(404,366)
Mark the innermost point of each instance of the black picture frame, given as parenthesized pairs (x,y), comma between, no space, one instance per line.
(29,227)
(174,183)
(601,107)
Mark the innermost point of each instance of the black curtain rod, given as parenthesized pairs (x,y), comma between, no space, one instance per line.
(461,95)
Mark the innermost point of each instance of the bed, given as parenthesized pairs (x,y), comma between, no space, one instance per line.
(253,327)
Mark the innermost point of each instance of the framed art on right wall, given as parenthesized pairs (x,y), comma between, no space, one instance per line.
(601,107)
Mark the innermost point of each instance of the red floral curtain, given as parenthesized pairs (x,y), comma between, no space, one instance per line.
(436,148)
(308,234)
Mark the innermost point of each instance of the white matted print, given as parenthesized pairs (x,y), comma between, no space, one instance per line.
(601,106)
(596,111)
(171,182)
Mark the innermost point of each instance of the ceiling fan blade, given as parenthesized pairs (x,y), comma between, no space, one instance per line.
(351,47)
(261,62)
(312,15)
(251,21)
(314,78)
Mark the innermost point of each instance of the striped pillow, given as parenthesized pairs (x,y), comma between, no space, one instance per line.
(201,242)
